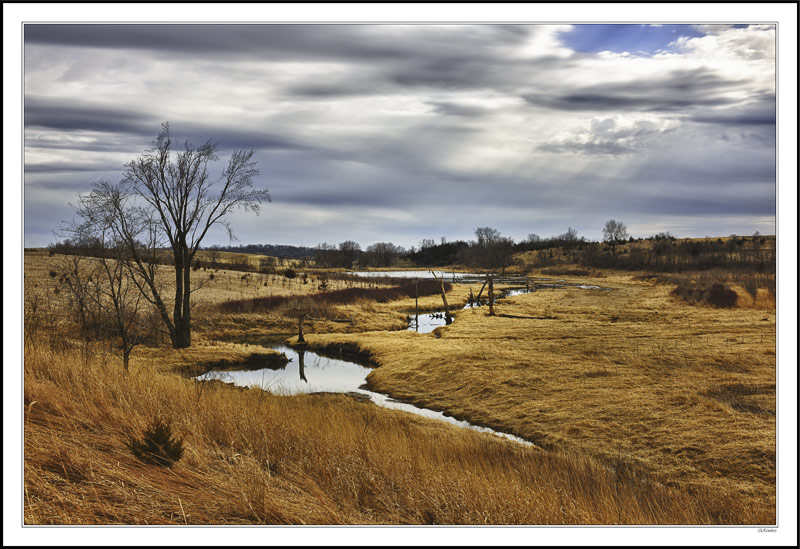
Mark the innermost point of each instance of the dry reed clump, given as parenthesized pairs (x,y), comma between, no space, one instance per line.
(324,300)
(716,295)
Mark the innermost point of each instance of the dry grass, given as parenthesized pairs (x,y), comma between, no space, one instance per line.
(654,412)
(255,458)
(686,392)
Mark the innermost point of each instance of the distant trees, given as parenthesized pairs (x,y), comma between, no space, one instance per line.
(488,246)
(570,236)
(383,254)
(349,252)
(324,254)
(614,232)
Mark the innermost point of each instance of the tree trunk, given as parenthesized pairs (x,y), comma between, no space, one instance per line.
(126,357)
(301,320)
(181,336)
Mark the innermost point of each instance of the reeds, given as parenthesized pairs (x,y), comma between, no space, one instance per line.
(323,300)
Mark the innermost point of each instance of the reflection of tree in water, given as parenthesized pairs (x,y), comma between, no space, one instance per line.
(301,355)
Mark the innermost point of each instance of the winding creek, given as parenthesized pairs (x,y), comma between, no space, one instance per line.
(311,372)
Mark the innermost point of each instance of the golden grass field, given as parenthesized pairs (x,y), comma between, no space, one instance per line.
(645,410)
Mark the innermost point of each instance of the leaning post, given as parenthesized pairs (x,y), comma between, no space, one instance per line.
(491,296)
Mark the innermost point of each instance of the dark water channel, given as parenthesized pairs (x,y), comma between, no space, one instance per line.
(310,372)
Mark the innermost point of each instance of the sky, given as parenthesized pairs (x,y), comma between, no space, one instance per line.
(397,133)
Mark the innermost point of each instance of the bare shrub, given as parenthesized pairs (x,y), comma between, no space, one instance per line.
(716,294)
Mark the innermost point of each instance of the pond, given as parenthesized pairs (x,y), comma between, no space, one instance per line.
(310,372)
(448,276)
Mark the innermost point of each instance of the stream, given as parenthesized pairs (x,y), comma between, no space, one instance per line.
(310,372)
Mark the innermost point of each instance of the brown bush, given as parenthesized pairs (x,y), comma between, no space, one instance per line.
(716,294)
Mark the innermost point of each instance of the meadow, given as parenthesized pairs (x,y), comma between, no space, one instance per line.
(644,408)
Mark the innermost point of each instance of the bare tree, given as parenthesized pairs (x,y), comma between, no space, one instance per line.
(169,198)
(349,252)
(614,232)
(488,245)
(101,276)
(383,254)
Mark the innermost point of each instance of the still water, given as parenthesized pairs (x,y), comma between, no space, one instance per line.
(448,276)
(309,372)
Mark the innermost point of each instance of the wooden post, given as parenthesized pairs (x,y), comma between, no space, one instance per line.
(301,320)
(416,305)
(471,298)
(448,319)
(491,296)
(478,299)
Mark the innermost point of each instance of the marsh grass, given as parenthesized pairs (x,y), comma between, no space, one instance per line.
(654,412)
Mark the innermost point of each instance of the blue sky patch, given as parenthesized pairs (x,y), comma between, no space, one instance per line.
(636,39)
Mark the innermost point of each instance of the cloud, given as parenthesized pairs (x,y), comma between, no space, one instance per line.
(457,109)
(74,115)
(760,113)
(675,91)
(443,127)
(611,136)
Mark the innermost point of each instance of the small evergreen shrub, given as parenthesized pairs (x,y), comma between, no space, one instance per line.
(157,445)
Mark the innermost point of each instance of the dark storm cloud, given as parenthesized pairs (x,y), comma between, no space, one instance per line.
(71,115)
(349,88)
(456,109)
(676,91)
(64,167)
(366,42)
(234,138)
(752,114)
(212,39)
(756,204)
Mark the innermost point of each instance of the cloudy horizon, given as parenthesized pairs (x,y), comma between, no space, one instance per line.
(404,132)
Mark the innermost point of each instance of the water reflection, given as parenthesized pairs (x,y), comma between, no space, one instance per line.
(448,276)
(301,356)
(428,322)
(306,372)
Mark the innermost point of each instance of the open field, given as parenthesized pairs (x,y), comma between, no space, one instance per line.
(646,409)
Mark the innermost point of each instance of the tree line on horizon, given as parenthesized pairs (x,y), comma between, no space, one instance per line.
(492,251)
